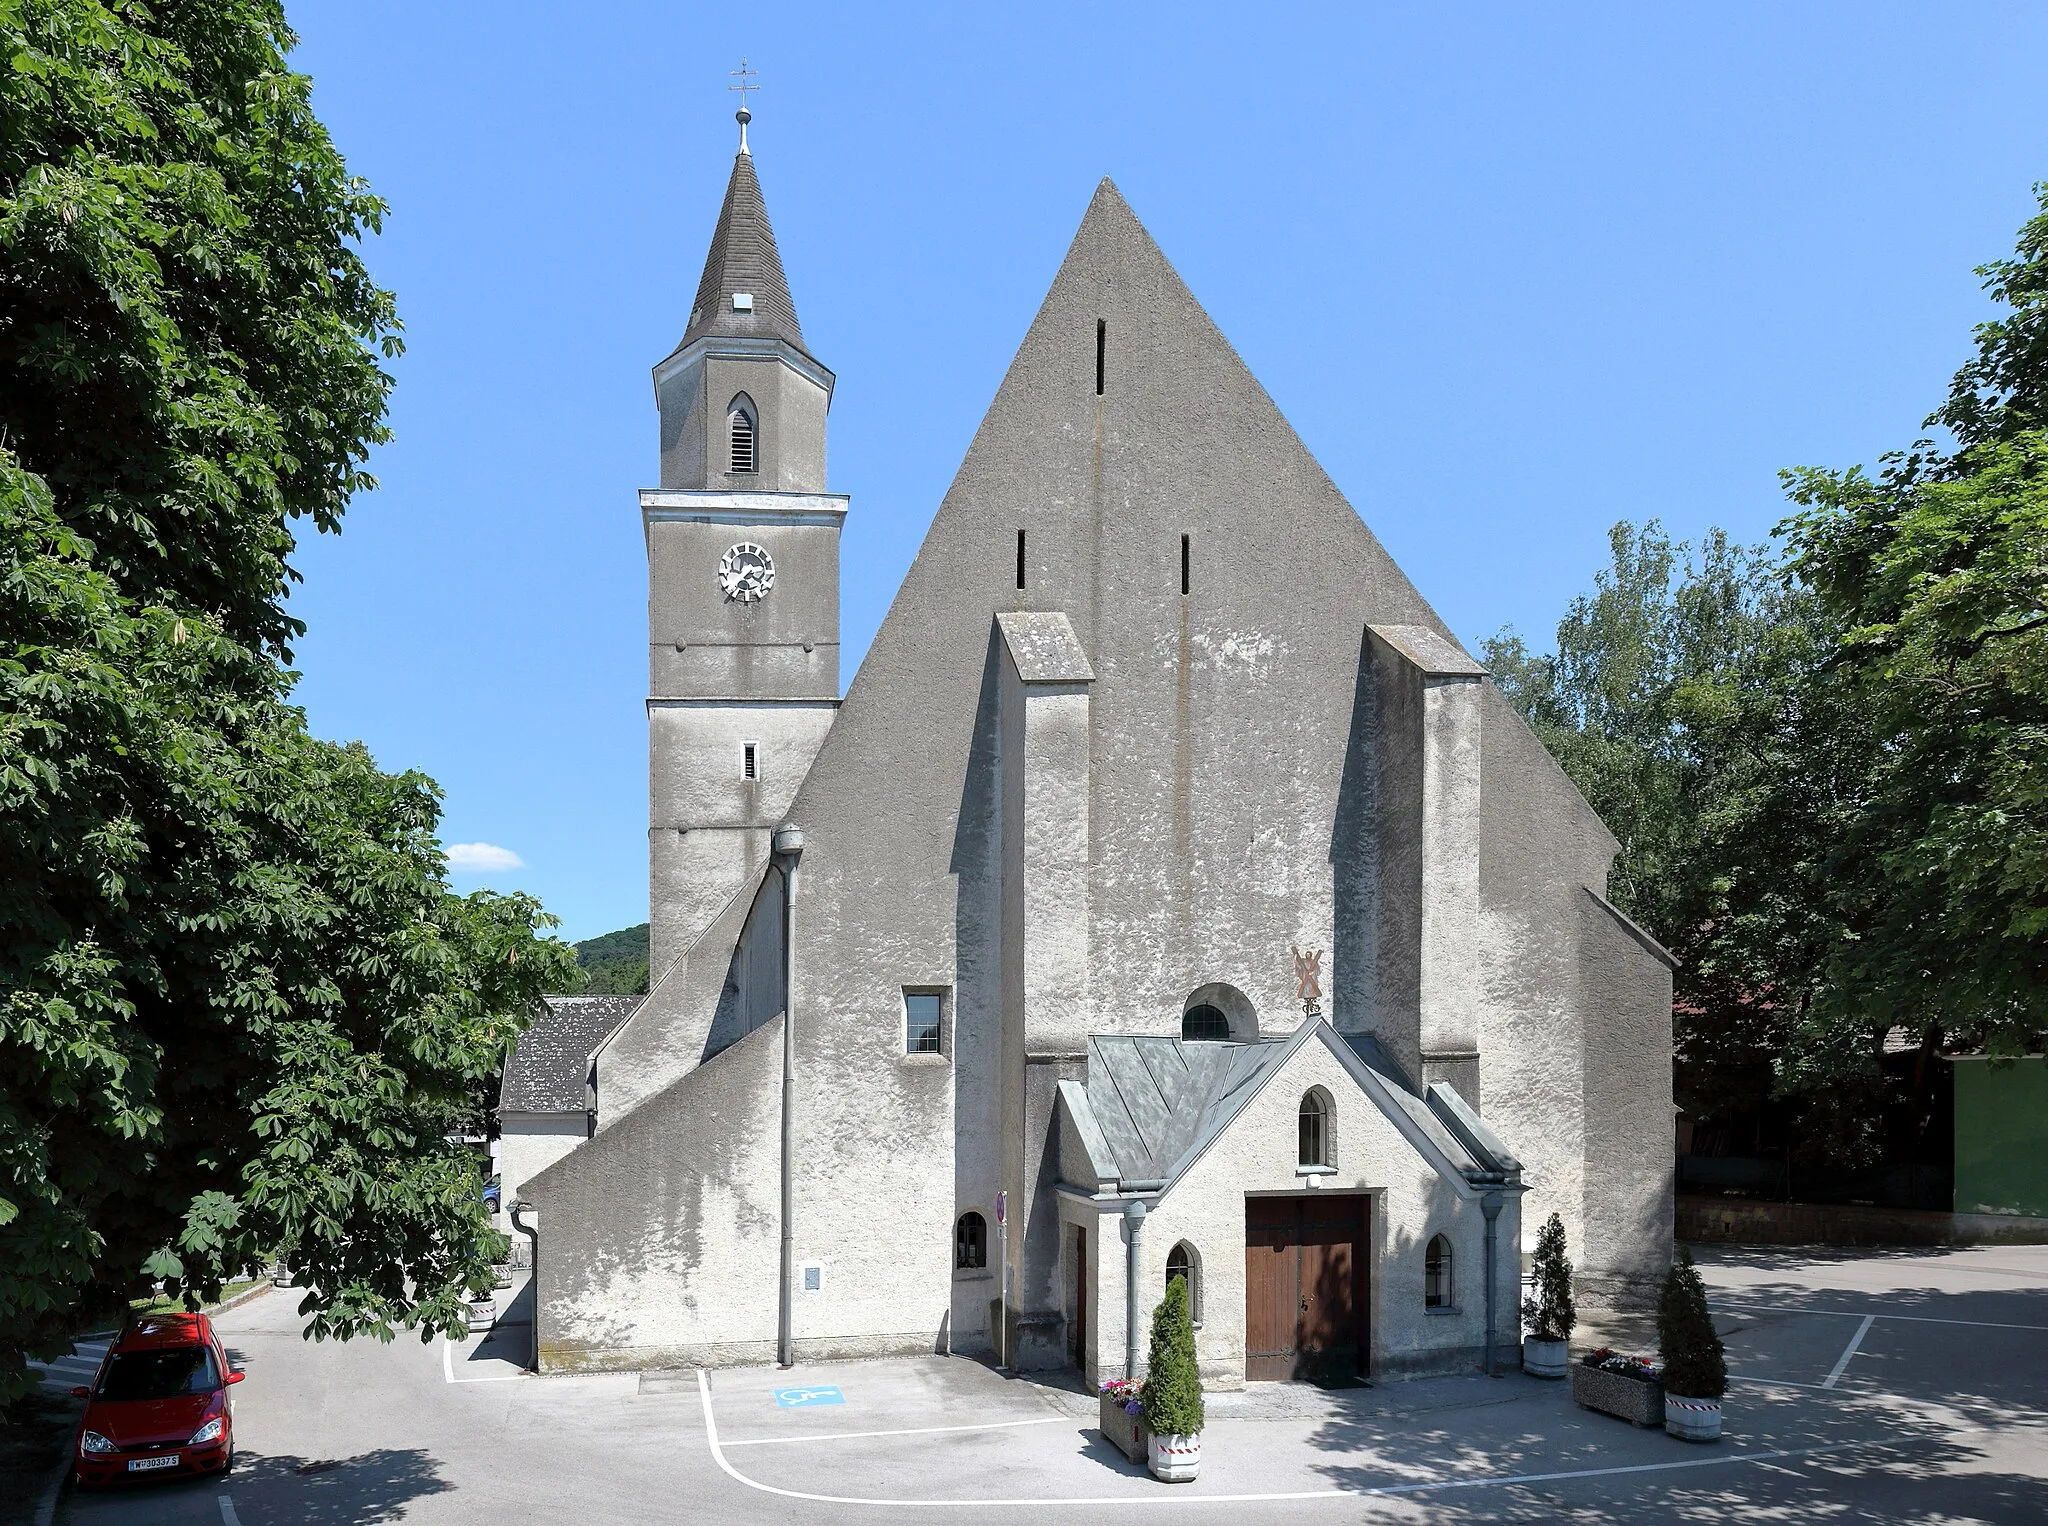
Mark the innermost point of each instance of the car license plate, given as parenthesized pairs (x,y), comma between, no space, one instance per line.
(149,1464)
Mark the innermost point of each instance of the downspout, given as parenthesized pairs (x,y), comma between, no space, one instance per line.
(1134,1223)
(532,1233)
(789,846)
(1490,1206)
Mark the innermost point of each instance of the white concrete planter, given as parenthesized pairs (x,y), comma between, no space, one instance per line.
(1692,1419)
(1544,1359)
(1176,1459)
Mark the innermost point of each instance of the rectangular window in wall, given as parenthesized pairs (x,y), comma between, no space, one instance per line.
(921,1022)
(750,760)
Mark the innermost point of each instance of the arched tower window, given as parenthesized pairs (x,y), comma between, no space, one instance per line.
(1436,1274)
(1183,1262)
(1204,1024)
(1315,1130)
(970,1242)
(741,432)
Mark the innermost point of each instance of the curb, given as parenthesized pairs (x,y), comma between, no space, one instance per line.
(46,1502)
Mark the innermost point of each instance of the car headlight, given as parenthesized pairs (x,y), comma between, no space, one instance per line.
(93,1441)
(207,1432)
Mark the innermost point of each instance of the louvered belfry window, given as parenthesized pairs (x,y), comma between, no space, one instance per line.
(740,425)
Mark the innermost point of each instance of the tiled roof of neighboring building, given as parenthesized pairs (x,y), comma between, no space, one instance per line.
(743,261)
(547,1071)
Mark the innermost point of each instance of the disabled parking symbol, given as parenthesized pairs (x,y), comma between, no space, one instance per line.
(807,1398)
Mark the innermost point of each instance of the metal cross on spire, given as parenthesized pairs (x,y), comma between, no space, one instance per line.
(743,116)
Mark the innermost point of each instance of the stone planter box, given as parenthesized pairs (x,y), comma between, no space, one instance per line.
(1128,1433)
(1633,1399)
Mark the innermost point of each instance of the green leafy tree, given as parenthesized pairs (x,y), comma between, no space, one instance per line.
(1695,1365)
(1173,1383)
(1937,572)
(239,1008)
(1550,1312)
(1687,699)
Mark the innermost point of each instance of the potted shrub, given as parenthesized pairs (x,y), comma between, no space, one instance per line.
(1173,1390)
(1550,1312)
(1695,1366)
(1616,1384)
(1123,1417)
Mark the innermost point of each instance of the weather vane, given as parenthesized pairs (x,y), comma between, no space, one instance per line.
(743,116)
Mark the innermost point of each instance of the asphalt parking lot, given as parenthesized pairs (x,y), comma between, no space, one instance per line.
(1907,1387)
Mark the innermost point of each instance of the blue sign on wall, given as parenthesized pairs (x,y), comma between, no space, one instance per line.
(807,1398)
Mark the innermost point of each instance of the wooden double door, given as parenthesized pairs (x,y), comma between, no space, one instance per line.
(1306,1286)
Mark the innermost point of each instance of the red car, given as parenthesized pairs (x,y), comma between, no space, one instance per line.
(159,1407)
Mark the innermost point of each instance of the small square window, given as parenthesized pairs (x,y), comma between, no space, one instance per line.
(814,1279)
(921,1022)
(743,302)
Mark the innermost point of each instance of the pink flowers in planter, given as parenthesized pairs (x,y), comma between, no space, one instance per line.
(1128,1394)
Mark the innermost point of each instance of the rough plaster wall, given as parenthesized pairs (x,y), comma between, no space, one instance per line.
(1626,992)
(680,399)
(528,1143)
(1541,844)
(790,416)
(668,1032)
(702,643)
(1396,744)
(1450,931)
(1410,1202)
(663,1232)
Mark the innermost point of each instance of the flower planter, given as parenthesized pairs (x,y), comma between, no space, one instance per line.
(1176,1459)
(1692,1419)
(1544,1359)
(1127,1433)
(1636,1400)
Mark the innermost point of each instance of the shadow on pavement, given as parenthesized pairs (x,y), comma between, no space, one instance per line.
(329,1491)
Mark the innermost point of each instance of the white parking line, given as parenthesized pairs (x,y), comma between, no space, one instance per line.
(1183,1500)
(227,1512)
(1917,1319)
(922,1430)
(448,1368)
(1849,1350)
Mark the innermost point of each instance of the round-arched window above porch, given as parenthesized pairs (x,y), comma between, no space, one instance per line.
(1218,1013)
(1185,1262)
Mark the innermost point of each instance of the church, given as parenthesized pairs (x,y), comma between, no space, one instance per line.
(1169,895)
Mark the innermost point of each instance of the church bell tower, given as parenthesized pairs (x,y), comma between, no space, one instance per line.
(742,576)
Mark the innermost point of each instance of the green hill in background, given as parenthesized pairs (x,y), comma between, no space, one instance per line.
(614,964)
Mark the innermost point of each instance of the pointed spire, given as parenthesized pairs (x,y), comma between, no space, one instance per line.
(743,291)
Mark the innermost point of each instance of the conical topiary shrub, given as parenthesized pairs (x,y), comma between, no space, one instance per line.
(1694,1359)
(1551,1314)
(1173,1384)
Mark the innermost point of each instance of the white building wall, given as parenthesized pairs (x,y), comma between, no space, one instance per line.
(528,1143)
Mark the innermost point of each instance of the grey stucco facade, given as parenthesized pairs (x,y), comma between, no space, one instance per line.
(1151,712)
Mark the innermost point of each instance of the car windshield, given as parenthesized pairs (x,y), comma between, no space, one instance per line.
(165,1374)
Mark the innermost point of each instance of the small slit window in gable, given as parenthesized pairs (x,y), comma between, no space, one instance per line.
(750,760)
(1020,558)
(1183,566)
(1101,351)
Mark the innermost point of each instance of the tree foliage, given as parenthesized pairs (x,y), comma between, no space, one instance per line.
(1695,1365)
(240,1011)
(1550,1311)
(1173,1382)
(1937,572)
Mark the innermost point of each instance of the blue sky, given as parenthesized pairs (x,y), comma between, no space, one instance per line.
(1513,272)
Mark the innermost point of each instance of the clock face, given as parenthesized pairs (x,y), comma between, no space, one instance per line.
(746,572)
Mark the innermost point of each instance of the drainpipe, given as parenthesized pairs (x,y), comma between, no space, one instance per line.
(1490,1206)
(1134,1223)
(532,1233)
(789,847)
